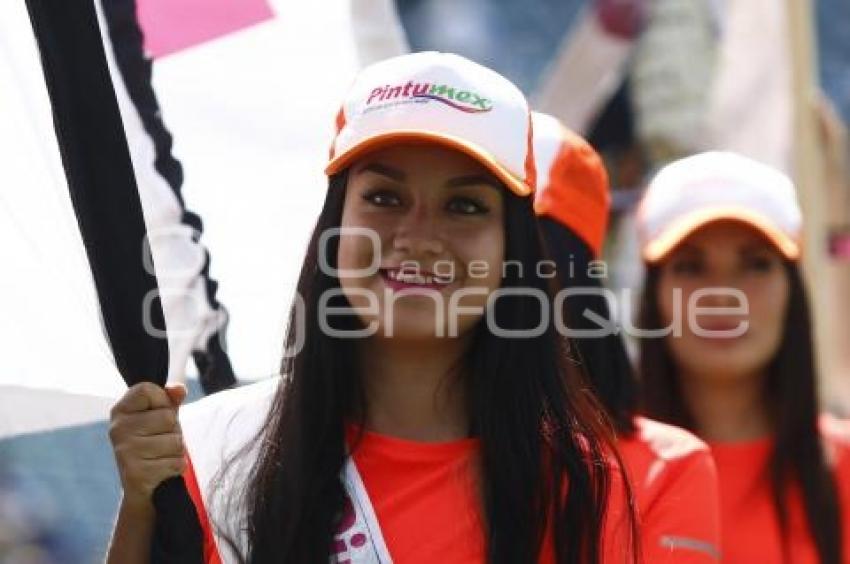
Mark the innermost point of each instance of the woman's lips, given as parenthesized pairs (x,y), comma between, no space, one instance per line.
(405,279)
(728,330)
(726,325)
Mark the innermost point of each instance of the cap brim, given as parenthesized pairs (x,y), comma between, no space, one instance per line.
(669,238)
(341,161)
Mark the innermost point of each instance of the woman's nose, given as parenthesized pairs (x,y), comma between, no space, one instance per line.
(722,290)
(725,296)
(418,233)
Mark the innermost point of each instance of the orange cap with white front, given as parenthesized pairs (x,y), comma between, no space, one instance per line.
(573,187)
(444,99)
(695,191)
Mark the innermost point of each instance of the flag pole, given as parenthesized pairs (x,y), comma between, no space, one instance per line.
(808,166)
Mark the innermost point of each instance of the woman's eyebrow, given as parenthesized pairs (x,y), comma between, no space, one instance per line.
(754,248)
(472,180)
(689,249)
(384,170)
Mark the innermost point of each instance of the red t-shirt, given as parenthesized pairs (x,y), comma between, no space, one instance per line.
(750,526)
(424,495)
(425,498)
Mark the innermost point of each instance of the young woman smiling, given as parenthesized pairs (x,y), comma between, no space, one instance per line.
(421,416)
(721,232)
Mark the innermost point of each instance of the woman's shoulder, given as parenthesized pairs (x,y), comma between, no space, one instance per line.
(834,428)
(233,401)
(218,431)
(220,424)
(835,434)
(674,480)
(660,457)
(667,442)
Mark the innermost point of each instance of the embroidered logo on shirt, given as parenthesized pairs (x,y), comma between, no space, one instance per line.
(674,543)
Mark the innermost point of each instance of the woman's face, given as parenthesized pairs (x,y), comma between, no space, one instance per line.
(438,223)
(733,256)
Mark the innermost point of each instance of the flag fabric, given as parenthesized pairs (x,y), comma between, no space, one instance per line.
(252,111)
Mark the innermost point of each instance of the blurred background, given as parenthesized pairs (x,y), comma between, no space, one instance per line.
(249,91)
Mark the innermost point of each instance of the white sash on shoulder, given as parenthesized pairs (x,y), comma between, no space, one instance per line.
(359,539)
(218,427)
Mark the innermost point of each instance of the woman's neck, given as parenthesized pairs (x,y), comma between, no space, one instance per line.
(727,410)
(414,390)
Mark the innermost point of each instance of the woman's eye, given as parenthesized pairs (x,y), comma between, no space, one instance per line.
(383,198)
(758,263)
(466,206)
(687,267)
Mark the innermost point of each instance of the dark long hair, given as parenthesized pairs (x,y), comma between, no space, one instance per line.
(541,432)
(791,393)
(604,358)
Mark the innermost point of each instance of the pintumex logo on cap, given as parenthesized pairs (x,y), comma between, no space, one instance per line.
(411,92)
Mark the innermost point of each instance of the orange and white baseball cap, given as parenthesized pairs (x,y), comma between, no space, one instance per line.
(573,187)
(441,98)
(695,191)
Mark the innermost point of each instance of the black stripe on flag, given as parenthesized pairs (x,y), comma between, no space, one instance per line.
(106,202)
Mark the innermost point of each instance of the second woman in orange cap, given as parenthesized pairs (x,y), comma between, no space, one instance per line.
(672,472)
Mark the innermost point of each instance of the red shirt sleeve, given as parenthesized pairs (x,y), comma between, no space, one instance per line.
(682,523)
(674,481)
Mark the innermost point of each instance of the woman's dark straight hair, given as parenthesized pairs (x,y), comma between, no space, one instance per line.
(546,446)
(791,393)
(604,358)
